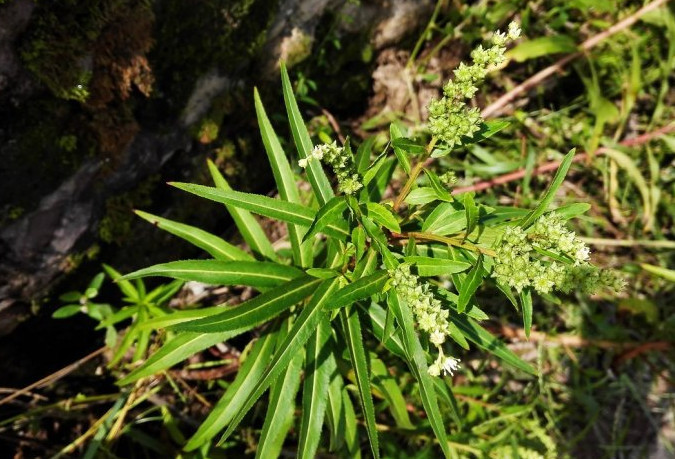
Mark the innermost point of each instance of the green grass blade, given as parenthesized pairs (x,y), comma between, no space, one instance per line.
(486,341)
(329,213)
(548,196)
(257,274)
(280,410)
(352,329)
(358,290)
(318,370)
(526,302)
(315,174)
(428,266)
(237,392)
(248,226)
(470,285)
(283,176)
(386,383)
(215,246)
(303,328)
(265,206)
(418,365)
(256,310)
(176,350)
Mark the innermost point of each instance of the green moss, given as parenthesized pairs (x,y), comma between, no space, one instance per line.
(115,226)
(59,43)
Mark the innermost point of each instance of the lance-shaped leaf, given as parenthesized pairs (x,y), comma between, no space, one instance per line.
(283,176)
(303,327)
(257,274)
(318,369)
(427,266)
(386,384)
(217,247)
(237,392)
(265,206)
(329,213)
(359,290)
(396,136)
(248,226)
(486,341)
(315,174)
(176,350)
(383,216)
(526,302)
(417,362)
(548,196)
(377,316)
(351,325)
(256,310)
(441,192)
(280,410)
(470,284)
(471,212)
(444,219)
(180,316)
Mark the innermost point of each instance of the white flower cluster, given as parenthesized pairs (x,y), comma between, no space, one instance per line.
(449,118)
(519,264)
(429,314)
(349,181)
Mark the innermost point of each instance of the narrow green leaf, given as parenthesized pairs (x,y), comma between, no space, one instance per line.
(265,206)
(280,410)
(444,219)
(441,192)
(217,247)
(315,174)
(383,216)
(176,350)
(420,196)
(283,176)
(526,302)
(329,213)
(247,225)
(471,212)
(366,265)
(67,311)
(352,329)
(473,280)
(359,241)
(236,393)
(572,210)
(427,266)
(667,274)
(358,290)
(256,310)
(258,274)
(417,362)
(392,393)
(314,394)
(125,286)
(542,46)
(486,341)
(403,158)
(408,145)
(377,316)
(179,316)
(303,327)
(548,196)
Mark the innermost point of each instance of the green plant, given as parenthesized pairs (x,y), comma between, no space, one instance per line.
(139,305)
(368,278)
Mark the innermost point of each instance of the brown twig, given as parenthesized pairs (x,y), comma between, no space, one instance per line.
(497,107)
(54,376)
(334,124)
(553,165)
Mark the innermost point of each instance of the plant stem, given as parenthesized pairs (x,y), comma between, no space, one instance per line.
(446,240)
(414,173)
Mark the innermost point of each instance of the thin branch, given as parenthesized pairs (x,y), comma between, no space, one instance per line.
(498,107)
(54,376)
